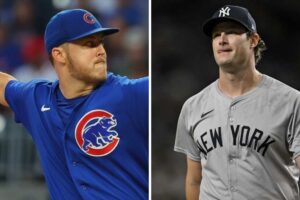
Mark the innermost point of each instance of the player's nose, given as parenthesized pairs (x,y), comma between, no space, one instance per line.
(223,39)
(100,49)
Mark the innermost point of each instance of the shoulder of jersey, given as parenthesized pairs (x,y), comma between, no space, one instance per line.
(124,80)
(202,95)
(279,88)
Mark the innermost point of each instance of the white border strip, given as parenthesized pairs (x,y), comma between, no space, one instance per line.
(150,95)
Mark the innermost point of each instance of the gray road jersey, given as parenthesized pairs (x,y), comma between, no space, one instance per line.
(246,145)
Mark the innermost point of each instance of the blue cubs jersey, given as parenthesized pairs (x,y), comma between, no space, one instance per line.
(98,148)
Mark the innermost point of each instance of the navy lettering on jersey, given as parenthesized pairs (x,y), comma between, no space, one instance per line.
(216,136)
(256,136)
(201,149)
(242,135)
(234,133)
(204,142)
(215,139)
(247,137)
(265,145)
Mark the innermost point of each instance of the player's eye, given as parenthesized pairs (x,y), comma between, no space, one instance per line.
(88,43)
(233,32)
(93,43)
(214,35)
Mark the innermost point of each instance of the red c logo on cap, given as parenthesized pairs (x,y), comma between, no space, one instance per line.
(89,18)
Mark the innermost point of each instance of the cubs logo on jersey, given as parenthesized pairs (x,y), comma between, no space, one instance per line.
(95,135)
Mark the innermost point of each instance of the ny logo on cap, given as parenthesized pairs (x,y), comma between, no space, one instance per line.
(224,12)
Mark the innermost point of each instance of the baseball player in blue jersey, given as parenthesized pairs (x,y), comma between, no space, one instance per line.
(90,127)
(241,134)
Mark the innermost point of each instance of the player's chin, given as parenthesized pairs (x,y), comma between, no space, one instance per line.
(101,70)
(97,78)
(224,58)
(100,64)
(223,62)
(100,67)
(226,65)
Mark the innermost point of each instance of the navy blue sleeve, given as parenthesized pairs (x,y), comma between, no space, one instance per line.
(18,96)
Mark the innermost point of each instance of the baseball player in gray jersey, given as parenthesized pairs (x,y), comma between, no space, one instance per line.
(241,134)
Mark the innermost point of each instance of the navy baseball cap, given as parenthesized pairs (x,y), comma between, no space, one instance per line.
(73,24)
(230,13)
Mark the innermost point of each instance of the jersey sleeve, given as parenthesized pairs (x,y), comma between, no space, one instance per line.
(139,98)
(184,141)
(17,96)
(294,130)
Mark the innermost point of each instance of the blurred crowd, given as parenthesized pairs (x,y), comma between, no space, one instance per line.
(183,64)
(22,24)
(22,51)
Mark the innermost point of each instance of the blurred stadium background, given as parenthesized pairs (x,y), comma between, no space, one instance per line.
(22,24)
(183,64)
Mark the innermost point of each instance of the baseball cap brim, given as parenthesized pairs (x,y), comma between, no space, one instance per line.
(105,31)
(211,23)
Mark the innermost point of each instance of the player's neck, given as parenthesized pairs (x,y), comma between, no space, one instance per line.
(239,83)
(74,89)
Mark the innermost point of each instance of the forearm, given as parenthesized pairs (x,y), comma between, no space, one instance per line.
(4,79)
(193,179)
(192,189)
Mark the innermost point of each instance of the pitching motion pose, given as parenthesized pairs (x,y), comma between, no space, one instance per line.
(90,127)
(241,134)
